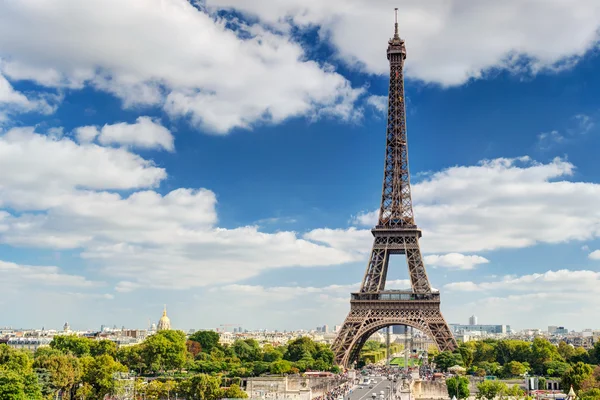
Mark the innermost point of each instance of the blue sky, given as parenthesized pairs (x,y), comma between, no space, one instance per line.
(226,159)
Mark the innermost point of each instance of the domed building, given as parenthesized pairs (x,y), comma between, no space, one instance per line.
(164,323)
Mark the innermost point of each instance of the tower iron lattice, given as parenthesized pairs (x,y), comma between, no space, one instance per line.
(373,307)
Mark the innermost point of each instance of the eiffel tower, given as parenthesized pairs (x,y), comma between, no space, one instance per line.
(373,307)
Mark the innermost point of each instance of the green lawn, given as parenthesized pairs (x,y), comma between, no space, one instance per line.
(399,361)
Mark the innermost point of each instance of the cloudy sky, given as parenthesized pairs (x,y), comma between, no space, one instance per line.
(225,157)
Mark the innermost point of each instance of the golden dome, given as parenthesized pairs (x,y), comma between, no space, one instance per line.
(164,323)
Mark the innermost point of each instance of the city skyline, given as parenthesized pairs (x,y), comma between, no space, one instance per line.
(236,179)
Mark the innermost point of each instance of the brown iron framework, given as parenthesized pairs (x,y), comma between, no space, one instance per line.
(373,307)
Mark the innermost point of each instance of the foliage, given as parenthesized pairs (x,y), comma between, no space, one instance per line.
(280,367)
(575,376)
(63,370)
(76,345)
(234,392)
(201,386)
(98,373)
(491,389)
(458,386)
(165,350)
(556,368)
(446,359)
(17,378)
(514,368)
(542,352)
(373,352)
(591,394)
(208,340)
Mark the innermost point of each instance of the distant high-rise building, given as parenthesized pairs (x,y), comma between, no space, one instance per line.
(325,329)
(473,320)
(557,330)
(398,329)
(66,327)
(319,329)
(336,328)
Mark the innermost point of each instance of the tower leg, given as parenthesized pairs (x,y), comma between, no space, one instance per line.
(366,319)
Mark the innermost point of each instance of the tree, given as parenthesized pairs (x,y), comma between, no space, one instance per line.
(79,346)
(193,348)
(208,340)
(592,382)
(298,348)
(446,359)
(484,351)
(63,370)
(17,378)
(490,368)
(201,386)
(490,389)
(591,394)
(132,357)
(542,352)
(575,376)
(467,353)
(280,367)
(247,350)
(458,386)
(556,368)
(84,392)
(165,350)
(234,392)
(565,350)
(98,373)
(11,386)
(514,368)
(100,347)
(270,354)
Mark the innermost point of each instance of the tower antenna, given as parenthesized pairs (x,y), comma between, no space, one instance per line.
(396,24)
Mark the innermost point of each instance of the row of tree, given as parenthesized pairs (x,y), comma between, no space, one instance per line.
(487,390)
(574,366)
(373,352)
(197,367)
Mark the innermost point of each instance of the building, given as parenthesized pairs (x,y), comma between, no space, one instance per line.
(164,323)
(66,327)
(325,329)
(557,330)
(473,320)
(28,343)
(487,329)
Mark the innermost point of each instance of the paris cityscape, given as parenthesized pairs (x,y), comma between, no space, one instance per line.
(192,203)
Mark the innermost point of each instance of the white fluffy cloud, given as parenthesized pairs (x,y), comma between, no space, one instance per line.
(168,53)
(572,295)
(145,133)
(37,170)
(563,280)
(380,103)
(455,260)
(24,275)
(448,41)
(501,203)
(13,101)
(143,239)
(594,255)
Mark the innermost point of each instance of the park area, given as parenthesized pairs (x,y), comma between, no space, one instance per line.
(399,361)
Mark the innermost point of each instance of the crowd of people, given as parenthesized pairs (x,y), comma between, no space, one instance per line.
(337,392)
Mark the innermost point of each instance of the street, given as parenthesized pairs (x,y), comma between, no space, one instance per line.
(366,393)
